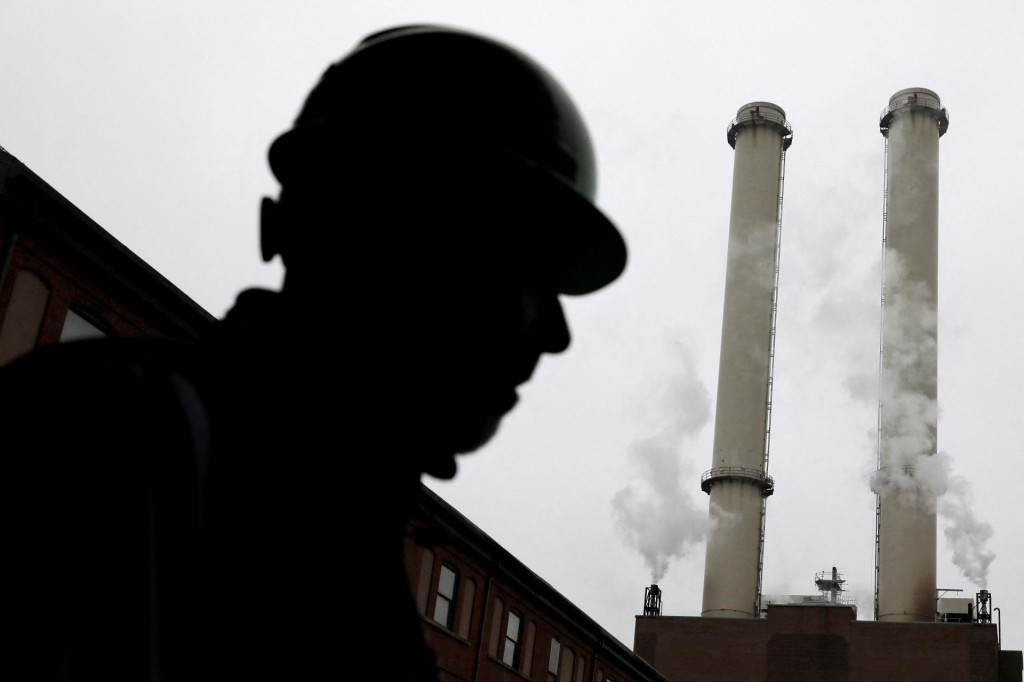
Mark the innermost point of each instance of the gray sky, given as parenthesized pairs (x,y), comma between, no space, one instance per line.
(154,118)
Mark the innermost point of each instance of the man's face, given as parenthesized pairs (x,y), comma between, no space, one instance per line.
(500,313)
(516,327)
(448,305)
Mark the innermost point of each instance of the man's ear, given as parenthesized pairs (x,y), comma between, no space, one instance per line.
(270,229)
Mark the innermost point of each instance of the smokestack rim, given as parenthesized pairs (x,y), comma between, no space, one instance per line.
(752,107)
(906,93)
(914,99)
(760,114)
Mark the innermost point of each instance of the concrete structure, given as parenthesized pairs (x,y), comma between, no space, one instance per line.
(738,482)
(822,643)
(908,479)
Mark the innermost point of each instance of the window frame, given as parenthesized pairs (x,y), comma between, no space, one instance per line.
(516,642)
(83,323)
(554,657)
(449,601)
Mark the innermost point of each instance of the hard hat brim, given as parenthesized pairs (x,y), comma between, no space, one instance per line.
(592,249)
(574,237)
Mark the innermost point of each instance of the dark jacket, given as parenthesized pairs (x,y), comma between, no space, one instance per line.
(199,511)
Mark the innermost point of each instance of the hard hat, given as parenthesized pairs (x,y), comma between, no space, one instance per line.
(445,99)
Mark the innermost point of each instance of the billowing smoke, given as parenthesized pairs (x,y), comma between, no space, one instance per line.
(656,512)
(908,421)
(966,535)
(909,368)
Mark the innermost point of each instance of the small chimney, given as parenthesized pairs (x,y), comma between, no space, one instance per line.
(652,601)
(831,585)
(982,609)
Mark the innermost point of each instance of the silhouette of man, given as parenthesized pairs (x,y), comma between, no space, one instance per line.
(235,508)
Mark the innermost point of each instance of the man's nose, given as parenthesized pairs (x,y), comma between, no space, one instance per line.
(555,329)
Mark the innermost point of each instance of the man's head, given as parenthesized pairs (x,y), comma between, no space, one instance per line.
(447,181)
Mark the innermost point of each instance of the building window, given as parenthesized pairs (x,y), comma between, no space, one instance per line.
(21,322)
(553,655)
(513,631)
(444,607)
(81,325)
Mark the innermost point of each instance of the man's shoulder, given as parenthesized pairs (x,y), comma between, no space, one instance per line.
(103,416)
(100,390)
(131,359)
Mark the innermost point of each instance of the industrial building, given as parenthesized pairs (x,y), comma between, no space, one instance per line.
(742,634)
(820,643)
(488,616)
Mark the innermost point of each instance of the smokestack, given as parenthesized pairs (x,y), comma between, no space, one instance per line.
(831,584)
(982,609)
(909,477)
(738,482)
(652,601)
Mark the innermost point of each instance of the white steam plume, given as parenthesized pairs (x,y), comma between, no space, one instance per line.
(656,513)
(966,535)
(909,417)
(907,388)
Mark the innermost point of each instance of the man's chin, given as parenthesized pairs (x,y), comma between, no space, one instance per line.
(472,437)
(442,466)
(468,439)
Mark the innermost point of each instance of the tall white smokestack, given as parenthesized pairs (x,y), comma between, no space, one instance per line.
(738,482)
(909,477)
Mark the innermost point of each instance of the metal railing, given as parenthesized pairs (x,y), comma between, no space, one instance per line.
(886,471)
(905,476)
(826,576)
(755,118)
(913,102)
(709,477)
(839,600)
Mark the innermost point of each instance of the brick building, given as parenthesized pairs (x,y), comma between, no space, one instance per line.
(822,643)
(64,277)
(489,618)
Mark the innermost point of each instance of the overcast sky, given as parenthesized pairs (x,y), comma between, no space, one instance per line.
(154,118)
